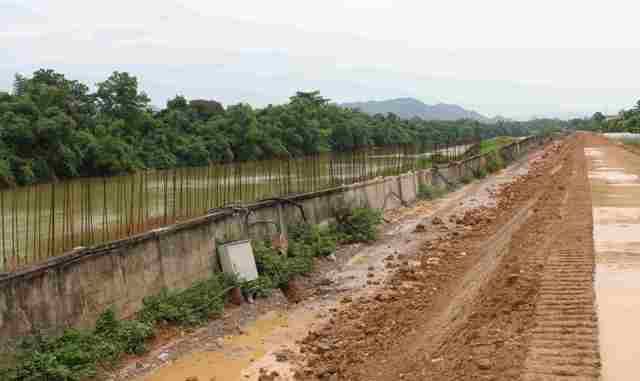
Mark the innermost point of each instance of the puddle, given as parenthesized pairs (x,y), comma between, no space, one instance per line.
(616,233)
(226,365)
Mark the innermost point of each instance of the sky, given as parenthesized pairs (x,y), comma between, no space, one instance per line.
(518,59)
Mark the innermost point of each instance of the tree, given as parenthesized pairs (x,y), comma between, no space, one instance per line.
(118,97)
(598,117)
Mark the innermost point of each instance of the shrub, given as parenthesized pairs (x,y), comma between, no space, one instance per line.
(430,192)
(189,307)
(75,354)
(480,173)
(357,225)
(277,268)
(321,241)
(129,335)
(494,162)
(466,179)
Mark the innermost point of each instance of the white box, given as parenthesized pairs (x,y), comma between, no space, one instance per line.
(237,258)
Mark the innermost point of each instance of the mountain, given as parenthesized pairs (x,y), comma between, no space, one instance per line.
(408,108)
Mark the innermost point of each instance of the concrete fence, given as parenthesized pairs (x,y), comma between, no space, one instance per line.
(74,289)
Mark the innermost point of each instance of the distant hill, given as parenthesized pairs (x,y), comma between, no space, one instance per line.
(408,108)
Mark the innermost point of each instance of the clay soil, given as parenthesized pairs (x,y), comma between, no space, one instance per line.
(508,298)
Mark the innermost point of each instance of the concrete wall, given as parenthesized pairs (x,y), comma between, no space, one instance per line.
(74,289)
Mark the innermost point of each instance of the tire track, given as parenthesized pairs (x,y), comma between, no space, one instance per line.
(564,343)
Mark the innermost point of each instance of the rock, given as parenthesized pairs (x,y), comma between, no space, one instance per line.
(332,257)
(436,221)
(420,228)
(265,376)
(483,363)
(164,356)
(282,356)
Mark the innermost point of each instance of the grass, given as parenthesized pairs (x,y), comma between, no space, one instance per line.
(430,192)
(77,354)
(632,142)
(491,145)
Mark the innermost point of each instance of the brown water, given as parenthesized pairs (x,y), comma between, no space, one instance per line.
(616,213)
(230,364)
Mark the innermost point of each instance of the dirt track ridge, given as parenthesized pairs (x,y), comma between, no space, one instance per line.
(564,342)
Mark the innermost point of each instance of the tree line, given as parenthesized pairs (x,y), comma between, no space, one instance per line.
(626,121)
(54,128)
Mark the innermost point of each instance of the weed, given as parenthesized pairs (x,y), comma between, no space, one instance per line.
(189,307)
(76,354)
(494,162)
(321,241)
(357,225)
(430,192)
(480,173)
(277,269)
(466,179)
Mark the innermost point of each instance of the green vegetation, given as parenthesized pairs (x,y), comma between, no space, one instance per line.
(78,354)
(430,192)
(52,128)
(195,305)
(466,179)
(494,144)
(358,225)
(626,121)
(480,173)
(495,162)
(634,143)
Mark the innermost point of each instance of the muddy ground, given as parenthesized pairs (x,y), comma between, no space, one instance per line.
(494,282)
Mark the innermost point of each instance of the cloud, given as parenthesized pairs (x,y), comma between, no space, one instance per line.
(510,58)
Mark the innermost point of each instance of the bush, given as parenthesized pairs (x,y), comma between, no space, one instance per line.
(129,335)
(480,173)
(466,179)
(189,307)
(277,268)
(358,225)
(321,241)
(429,192)
(494,162)
(75,354)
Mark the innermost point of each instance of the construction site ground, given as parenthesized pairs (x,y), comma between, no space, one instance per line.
(493,282)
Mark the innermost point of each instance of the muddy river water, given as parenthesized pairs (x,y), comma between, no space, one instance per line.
(615,183)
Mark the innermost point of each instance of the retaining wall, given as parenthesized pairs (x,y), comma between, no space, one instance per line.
(74,289)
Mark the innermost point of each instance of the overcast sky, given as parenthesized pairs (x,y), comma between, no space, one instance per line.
(514,58)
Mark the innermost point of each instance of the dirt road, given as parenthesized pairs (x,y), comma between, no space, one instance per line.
(509,298)
(615,185)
